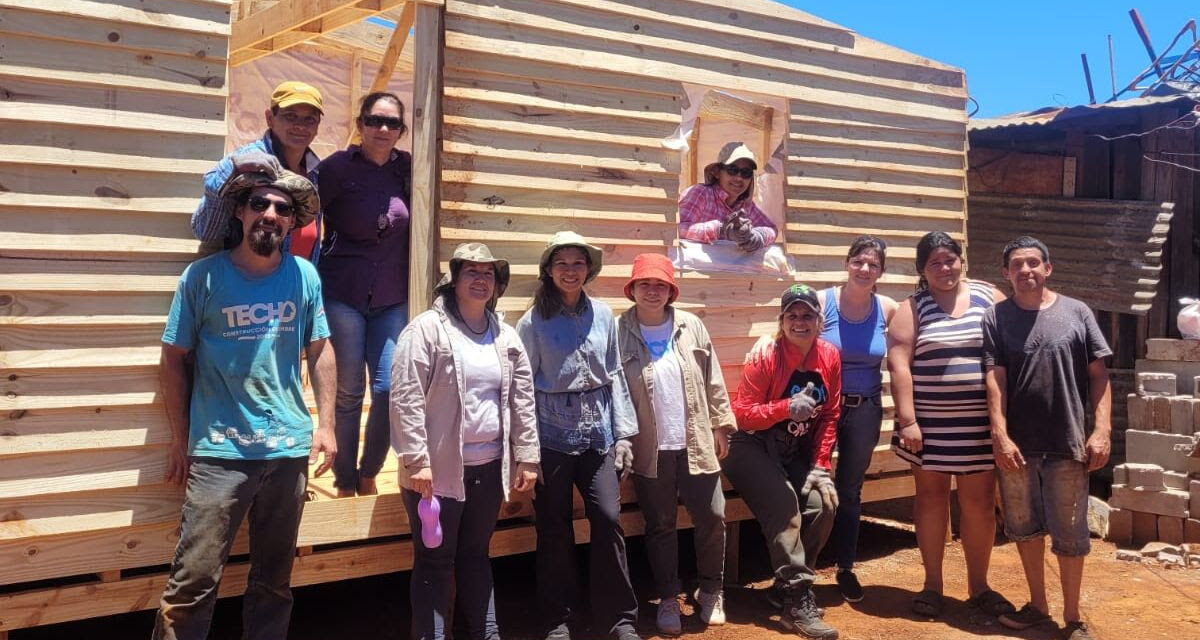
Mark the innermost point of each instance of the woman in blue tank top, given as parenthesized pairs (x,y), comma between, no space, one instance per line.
(856,323)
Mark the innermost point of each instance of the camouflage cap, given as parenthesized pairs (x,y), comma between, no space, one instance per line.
(300,189)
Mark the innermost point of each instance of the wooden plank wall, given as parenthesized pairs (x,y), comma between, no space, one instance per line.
(554,112)
(109,115)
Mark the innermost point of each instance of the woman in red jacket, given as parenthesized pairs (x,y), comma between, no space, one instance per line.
(787,409)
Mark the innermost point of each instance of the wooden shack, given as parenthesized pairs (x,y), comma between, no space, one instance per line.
(1112,189)
(528,117)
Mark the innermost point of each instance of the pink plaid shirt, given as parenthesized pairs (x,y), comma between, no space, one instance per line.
(702,211)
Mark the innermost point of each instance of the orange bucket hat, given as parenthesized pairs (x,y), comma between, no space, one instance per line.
(653,266)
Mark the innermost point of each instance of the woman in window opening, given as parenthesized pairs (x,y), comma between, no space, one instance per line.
(365,191)
(780,459)
(935,356)
(684,423)
(464,426)
(722,208)
(585,421)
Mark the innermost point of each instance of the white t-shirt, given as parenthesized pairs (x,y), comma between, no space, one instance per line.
(670,410)
(481,379)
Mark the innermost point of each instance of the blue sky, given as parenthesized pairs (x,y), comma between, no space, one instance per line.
(1018,55)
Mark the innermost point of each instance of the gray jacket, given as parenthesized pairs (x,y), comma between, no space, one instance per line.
(427,403)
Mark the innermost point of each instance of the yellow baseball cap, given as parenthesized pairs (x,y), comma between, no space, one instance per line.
(292,93)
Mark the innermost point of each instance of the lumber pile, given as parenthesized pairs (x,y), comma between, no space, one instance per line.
(1156,493)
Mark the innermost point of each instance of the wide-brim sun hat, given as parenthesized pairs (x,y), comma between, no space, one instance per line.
(305,201)
(474,252)
(729,154)
(653,266)
(564,239)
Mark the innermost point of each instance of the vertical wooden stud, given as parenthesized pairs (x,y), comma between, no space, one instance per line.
(427,146)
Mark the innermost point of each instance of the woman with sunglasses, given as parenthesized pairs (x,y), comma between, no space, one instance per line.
(365,192)
(585,422)
(722,208)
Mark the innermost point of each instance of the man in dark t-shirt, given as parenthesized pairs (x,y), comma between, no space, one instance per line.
(1044,357)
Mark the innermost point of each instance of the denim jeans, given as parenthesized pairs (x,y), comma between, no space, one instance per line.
(220,494)
(659,499)
(1047,496)
(857,435)
(614,605)
(796,525)
(461,563)
(357,340)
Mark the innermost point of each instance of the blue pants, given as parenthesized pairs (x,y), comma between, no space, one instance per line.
(857,435)
(461,563)
(220,494)
(357,340)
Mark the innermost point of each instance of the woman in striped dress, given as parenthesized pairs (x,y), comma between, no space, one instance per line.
(935,351)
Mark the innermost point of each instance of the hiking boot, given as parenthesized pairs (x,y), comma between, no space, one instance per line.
(1027,616)
(848,584)
(1077,630)
(667,619)
(800,614)
(561,632)
(712,607)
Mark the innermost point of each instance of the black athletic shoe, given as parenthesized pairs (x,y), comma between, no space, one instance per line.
(800,614)
(851,590)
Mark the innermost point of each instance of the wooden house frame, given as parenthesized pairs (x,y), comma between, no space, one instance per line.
(529,117)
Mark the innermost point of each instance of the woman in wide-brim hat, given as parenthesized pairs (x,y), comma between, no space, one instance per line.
(465,430)
(585,420)
(684,424)
(722,207)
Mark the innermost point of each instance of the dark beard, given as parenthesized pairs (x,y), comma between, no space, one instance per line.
(265,241)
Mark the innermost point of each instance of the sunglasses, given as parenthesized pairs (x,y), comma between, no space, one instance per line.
(734,171)
(261,204)
(377,122)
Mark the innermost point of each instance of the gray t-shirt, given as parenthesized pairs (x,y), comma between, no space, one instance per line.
(1045,355)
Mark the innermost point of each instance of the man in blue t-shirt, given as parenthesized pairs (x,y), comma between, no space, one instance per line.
(242,437)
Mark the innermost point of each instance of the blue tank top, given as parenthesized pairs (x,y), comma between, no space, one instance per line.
(862,345)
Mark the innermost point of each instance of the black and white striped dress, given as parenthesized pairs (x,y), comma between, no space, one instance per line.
(949,394)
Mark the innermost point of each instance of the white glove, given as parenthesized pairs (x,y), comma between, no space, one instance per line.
(623,457)
(803,404)
(818,480)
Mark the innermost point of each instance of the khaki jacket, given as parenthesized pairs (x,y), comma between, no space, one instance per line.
(426,403)
(706,399)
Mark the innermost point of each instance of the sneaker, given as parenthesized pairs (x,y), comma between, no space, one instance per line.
(712,607)
(851,590)
(800,614)
(667,620)
(627,634)
(561,632)
(1077,630)
(1027,616)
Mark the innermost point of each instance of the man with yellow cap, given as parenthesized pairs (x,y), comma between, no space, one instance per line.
(292,122)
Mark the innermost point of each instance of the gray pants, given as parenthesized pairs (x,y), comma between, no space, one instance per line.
(701,495)
(796,528)
(220,494)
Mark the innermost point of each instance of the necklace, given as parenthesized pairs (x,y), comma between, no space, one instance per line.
(487,324)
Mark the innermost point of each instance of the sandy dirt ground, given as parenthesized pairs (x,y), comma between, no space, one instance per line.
(1121,600)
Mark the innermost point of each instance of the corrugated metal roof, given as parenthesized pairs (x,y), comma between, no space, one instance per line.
(1047,115)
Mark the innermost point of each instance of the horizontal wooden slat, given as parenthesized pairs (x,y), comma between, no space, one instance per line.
(82,428)
(180,15)
(155,39)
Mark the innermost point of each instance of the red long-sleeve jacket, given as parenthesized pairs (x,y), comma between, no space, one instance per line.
(766,387)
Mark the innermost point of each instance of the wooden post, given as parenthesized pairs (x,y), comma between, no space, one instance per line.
(427,146)
(733,537)
(356,94)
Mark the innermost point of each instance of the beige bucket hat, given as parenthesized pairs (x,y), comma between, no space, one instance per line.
(729,154)
(572,239)
(474,252)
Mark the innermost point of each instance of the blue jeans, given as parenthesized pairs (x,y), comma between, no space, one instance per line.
(357,340)
(1048,496)
(461,563)
(857,434)
(220,494)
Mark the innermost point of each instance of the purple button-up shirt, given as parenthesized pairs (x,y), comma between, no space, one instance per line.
(364,257)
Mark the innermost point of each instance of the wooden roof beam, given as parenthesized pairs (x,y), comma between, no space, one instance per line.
(292,22)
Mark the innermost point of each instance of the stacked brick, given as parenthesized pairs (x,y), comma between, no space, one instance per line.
(1156,492)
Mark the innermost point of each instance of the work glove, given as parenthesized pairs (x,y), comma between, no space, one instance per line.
(803,404)
(623,457)
(753,242)
(737,228)
(818,480)
(257,162)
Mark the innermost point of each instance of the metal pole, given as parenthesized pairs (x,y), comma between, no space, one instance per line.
(1087,75)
